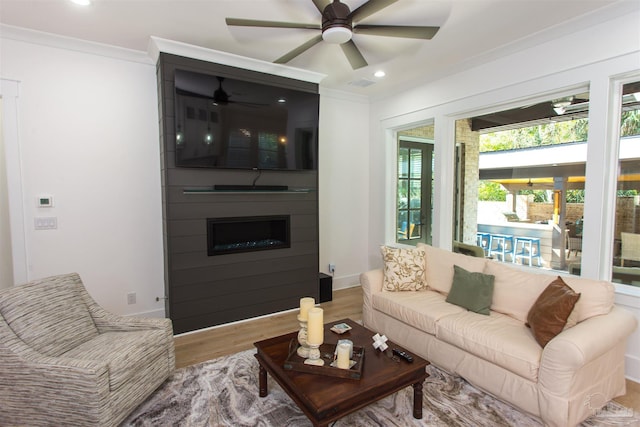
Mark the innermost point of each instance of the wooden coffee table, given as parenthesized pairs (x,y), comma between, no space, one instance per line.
(325,399)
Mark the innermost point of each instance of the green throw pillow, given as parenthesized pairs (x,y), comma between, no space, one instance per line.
(473,291)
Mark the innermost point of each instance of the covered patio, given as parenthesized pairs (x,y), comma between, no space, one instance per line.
(556,169)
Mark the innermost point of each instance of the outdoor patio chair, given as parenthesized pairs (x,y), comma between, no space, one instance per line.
(630,248)
(574,244)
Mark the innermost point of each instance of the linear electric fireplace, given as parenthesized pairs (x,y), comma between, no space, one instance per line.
(247,234)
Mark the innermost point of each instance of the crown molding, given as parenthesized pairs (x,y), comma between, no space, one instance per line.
(72,44)
(158,45)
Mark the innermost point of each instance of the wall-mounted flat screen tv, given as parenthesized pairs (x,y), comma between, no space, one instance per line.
(223,122)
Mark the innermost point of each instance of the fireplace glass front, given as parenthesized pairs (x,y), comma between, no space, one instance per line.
(247,234)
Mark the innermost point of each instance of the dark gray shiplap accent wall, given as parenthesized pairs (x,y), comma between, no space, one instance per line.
(206,290)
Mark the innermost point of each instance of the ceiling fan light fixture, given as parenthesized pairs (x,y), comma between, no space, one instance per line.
(559,110)
(563,102)
(337,35)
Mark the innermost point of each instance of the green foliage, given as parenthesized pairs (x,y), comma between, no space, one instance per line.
(630,123)
(536,136)
(575,196)
(489,191)
(539,196)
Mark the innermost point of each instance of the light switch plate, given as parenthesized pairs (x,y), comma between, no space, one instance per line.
(46,222)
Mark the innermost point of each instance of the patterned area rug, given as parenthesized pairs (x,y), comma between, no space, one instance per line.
(224,392)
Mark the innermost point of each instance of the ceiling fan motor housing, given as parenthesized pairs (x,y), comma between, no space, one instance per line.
(336,14)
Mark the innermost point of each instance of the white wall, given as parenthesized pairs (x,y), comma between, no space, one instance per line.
(88,135)
(344,186)
(594,57)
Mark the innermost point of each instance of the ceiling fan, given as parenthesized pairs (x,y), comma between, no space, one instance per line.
(338,25)
(220,96)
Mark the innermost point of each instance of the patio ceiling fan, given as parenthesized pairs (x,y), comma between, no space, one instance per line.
(338,25)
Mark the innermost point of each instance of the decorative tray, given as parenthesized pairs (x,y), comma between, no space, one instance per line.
(296,363)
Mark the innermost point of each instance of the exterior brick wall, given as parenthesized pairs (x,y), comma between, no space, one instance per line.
(427,132)
(470,141)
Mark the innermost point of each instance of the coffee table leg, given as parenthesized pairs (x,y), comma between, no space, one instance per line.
(262,377)
(417,400)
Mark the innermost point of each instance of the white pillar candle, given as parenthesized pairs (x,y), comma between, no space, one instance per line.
(305,304)
(315,326)
(343,361)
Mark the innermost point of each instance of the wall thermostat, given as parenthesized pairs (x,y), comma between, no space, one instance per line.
(45,201)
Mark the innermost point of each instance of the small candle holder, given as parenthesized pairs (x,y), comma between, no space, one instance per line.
(303,350)
(314,356)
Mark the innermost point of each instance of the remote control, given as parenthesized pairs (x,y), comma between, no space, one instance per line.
(406,356)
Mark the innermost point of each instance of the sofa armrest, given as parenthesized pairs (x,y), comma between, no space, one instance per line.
(371,282)
(73,390)
(574,349)
(108,322)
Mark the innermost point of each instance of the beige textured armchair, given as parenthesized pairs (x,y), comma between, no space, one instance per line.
(66,361)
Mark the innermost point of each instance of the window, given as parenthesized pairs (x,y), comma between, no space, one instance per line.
(414,207)
(626,249)
(520,182)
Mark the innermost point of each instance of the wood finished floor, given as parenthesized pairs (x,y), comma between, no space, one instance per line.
(209,344)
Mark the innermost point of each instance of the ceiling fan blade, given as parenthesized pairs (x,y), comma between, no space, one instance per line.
(193,94)
(270,24)
(297,51)
(369,8)
(411,32)
(353,55)
(321,4)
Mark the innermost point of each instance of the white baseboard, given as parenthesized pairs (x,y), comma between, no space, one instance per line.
(346,282)
(159,313)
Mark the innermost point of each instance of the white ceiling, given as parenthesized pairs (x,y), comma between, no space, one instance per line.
(472,31)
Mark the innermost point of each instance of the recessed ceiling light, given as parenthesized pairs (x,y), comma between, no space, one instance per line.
(82,2)
(379,74)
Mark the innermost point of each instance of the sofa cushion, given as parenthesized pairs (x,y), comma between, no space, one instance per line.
(439,264)
(419,309)
(403,269)
(515,290)
(50,316)
(497,338)
(125,353)
(472,291)
(596,296)
(548,315)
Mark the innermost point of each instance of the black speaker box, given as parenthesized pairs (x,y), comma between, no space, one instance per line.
(326,287)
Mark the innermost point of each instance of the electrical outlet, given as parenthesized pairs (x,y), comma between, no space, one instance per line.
(332,268)
(131,298)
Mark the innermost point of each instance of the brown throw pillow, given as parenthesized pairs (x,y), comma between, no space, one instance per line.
(550,312)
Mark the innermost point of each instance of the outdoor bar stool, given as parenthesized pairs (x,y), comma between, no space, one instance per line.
(529,248)
(483,240)
(501,245)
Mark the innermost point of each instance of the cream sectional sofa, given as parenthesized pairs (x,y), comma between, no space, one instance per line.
(565,382)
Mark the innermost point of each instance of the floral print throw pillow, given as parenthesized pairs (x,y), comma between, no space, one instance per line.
(404,269)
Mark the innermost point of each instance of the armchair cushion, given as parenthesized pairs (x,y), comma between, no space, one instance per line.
(125,353)
(49,317)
